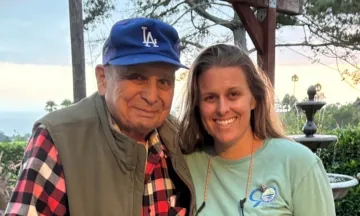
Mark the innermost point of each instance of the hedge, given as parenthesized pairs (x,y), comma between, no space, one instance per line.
(12,154)
(344,158)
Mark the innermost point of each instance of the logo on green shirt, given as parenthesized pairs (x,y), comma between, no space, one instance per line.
(260,198)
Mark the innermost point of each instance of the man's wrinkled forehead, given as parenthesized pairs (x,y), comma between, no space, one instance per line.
(154,69)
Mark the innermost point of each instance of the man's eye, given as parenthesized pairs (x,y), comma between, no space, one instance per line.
(165,82)
(234,95)
(136,77)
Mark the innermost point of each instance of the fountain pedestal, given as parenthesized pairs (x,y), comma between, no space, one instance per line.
(309,138)
(340,184)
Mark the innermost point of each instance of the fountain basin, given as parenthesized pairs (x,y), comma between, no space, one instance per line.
(315,141)
(340,184)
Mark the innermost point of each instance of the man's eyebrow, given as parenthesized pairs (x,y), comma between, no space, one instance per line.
(172,76)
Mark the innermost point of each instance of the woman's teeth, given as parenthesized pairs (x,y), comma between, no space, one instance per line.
(225,122)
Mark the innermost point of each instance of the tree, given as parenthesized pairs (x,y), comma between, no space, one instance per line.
(290,116)
(97,11)
(65,103)
(331,28)
(319,96)
(20,138)
(288,102)
(77,49)
(336,23)
(294,79)
(50,106)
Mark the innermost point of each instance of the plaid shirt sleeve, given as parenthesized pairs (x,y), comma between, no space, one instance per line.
(40,189)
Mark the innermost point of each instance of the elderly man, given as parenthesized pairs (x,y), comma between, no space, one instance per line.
(114,152)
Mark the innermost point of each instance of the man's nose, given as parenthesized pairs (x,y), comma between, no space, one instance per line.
(150,92)
(222,106)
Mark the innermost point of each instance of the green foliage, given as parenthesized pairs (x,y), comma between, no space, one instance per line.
(14,138)
(13,153)
(288,103)
(95,11)
(293,121)
(344,158)
(65,103)
(51,106)
(337,21)
(335,7)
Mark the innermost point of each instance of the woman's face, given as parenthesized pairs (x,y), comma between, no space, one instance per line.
(225,104)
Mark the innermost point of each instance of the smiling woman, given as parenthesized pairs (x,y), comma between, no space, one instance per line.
(217,102)
(239,159)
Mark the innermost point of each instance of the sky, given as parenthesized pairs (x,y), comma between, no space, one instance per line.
(35,59)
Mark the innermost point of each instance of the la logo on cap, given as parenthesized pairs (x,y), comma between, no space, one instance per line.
(148,38)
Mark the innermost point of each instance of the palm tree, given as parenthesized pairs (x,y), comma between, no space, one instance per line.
(294,79)
(50,106)
(65,103)
(319,95)
(318,87)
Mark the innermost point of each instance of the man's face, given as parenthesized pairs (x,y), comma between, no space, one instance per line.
(138,97)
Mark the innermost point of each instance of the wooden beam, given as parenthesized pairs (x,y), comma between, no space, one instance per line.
(268,56)
(251,24)
(292,7)
(262,35)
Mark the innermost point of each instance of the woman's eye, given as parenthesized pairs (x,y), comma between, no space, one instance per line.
(209,98)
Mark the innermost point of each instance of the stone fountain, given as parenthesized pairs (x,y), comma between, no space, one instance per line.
(340,184)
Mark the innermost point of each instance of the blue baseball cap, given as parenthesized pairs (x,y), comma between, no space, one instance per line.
(142,40)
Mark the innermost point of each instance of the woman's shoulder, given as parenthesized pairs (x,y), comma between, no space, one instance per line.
(291,151)
(198,155)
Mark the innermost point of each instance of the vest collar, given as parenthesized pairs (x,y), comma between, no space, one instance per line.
(168,134)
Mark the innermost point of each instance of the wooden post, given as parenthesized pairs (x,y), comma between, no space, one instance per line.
(262,32)
(269,31)
(77,49)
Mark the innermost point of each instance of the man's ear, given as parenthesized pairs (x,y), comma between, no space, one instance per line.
(100,77)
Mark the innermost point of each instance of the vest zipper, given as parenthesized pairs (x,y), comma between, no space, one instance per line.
(190,189)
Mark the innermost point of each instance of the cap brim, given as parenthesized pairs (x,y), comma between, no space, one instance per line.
(144,58)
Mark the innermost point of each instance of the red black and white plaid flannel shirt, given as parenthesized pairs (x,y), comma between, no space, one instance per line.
(41,187)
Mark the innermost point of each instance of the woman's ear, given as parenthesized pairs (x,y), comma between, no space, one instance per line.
(253,103)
